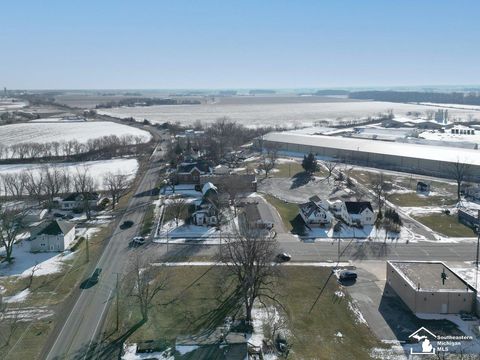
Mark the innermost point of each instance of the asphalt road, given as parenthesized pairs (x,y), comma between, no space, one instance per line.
(77,337)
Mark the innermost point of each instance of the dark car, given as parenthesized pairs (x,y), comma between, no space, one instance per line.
(126,224)
(284,257)
(348,275)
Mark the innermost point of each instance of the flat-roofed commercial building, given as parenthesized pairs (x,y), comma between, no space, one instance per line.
(420,159)
(430,287)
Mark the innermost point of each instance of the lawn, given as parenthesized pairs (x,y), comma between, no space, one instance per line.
(181,307)
(447,225)
(287,211)
(289,169)
(413,199)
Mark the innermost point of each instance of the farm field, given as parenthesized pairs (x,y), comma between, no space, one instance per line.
(253,114)
(60,131)
(97,169)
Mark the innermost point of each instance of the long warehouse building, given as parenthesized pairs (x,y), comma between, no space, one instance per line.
(413,158)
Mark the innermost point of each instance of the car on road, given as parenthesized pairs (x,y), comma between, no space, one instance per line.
(138,240)
(283,257)
(95,276)
(126,224)
(348,275)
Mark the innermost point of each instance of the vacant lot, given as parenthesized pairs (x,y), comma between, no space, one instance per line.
(447,225)
(413,199)
(287,211)
(318,332)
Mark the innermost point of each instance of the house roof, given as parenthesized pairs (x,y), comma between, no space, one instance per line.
(74,196)
(209,186)
(357,207)
(201,166)
(57,227)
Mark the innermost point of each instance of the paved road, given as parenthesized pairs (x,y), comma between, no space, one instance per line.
(85,321)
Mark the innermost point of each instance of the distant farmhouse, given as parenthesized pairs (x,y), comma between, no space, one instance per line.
(55,235)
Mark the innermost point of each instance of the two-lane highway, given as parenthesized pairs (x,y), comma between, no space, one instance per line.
(82,326)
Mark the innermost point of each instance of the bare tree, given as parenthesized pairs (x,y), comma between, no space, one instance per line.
(11,219)
(380,187)
(176,209)
(268,160)
(9,322)
(145,282)
(54,181)
(34,184)
(248,261)
(84,184)
(459,171)
(330,166)
(233,188)
(117,185)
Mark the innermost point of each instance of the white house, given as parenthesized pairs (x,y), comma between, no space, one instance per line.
(76,201)
(55,235)
(359,213)
(206,213)
(315,212)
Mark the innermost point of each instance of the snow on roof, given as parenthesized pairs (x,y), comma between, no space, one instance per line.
(427,152)
(208,186)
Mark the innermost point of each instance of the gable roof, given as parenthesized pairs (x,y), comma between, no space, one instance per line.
(207,187)
(57,227)
(201,166)
(357,207)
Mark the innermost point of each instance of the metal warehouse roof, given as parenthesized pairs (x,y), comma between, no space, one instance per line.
(426,152)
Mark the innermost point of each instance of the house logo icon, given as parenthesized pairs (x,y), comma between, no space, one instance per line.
(425,338)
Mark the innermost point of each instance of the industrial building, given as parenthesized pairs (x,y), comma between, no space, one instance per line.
(413,158)
(430,287)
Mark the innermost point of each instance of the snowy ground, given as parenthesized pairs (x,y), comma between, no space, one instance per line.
(97,169)
(63,131)
(367,232)
(45,262)
(280,114)
(130,354)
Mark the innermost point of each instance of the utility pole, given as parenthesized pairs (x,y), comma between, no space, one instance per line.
(87,251)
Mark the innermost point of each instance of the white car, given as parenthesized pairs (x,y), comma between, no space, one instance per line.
(139,240)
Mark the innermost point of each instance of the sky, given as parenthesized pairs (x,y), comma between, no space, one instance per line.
(208,44)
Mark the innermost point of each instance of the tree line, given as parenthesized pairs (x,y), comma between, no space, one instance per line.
(130,102)
(418,96)
(106,146)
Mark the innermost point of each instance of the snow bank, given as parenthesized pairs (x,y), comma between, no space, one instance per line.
(19,297)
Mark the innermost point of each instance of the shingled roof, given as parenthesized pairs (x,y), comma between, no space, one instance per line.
(357,207)
(57,227)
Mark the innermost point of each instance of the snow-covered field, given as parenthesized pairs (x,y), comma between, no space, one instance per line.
(65,131)
(97,169)
(8,105)
(282,114)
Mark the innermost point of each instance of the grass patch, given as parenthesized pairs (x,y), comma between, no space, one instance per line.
(447,225)
(181,304)
(413,199)
(148,220)
(287,211)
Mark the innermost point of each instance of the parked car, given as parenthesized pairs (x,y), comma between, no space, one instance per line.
(348,275)
(283,257)
(126,224)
